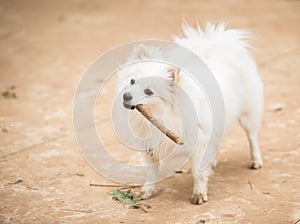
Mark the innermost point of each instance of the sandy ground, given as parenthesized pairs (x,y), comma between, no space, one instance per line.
(45,46)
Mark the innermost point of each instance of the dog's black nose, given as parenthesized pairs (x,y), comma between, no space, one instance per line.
(127,96)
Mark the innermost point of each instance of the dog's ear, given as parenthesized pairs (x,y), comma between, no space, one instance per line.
(174,73)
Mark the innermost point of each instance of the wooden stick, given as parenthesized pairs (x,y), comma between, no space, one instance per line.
(175,138)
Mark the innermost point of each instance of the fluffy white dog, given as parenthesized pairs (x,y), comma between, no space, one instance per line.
(225,52)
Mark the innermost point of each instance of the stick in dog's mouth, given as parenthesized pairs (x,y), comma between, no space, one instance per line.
(171,135)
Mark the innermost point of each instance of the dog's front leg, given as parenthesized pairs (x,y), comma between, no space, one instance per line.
(200,178)
(152,174)
(200,187)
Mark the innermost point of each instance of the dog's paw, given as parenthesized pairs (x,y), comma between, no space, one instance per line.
(198,199)
(145,193)
(256,164)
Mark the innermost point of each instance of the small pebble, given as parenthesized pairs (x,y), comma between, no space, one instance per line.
(147,206)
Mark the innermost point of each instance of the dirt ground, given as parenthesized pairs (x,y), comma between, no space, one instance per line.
(45,47)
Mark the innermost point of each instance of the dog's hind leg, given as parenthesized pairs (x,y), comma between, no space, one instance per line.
(251,126)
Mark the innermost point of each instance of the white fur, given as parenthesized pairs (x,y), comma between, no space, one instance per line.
(226,54)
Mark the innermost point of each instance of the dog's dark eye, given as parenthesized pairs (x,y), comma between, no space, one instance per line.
(132,81)
(148,92)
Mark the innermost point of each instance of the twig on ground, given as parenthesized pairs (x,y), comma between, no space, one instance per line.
(3,208)
(141,207)
(115,185)
(76,210)
(250,184)
(32,188)
(16,182)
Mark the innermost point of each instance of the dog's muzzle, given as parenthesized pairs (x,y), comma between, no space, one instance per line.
(127,97)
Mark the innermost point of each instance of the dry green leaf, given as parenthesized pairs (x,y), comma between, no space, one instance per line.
(125,197)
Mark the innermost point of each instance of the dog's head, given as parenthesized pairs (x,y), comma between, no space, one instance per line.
(146,81)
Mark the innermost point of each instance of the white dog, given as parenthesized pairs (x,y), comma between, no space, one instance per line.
(225,52)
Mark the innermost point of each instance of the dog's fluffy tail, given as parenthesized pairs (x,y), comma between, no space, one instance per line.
(216,43)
